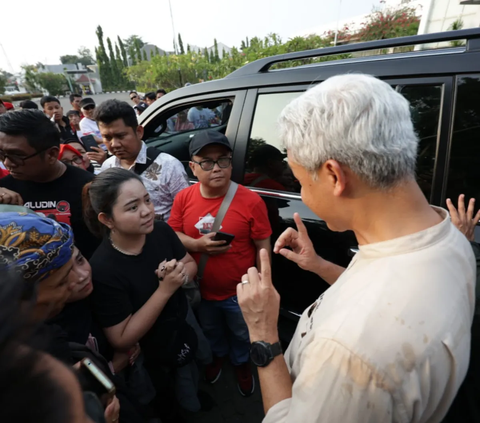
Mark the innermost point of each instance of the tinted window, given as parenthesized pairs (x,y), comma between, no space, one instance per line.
(174,129)
(464,164)
(265,164)
(425,101)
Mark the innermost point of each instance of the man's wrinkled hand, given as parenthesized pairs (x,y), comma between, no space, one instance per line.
(260,302)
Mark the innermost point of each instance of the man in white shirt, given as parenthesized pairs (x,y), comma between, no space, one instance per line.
(163,175)
(390,340)
(88,126)
(200,117)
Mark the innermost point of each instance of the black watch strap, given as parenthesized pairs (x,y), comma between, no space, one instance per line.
(276,349)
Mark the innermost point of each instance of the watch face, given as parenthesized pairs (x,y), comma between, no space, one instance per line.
(260,354)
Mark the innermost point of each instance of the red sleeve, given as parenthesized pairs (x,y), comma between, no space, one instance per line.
(259,224)
(3,173)
(176,215)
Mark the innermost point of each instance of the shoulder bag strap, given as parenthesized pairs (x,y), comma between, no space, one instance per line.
(152,154)
(227,200)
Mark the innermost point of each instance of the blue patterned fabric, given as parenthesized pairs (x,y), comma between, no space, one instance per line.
(33,246)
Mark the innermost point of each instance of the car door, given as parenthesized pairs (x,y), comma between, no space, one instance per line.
(429,98)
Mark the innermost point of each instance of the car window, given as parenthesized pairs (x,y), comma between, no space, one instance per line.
(173,130)
(266,166)
(464,163)
(425,102)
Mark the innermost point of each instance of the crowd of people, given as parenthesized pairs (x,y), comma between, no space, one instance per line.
(110,257)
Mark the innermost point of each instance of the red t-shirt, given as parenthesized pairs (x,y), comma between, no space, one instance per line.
(246,218)
(3,173)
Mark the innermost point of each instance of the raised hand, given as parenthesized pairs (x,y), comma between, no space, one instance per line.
(302,251)
(260,302)
(464,220)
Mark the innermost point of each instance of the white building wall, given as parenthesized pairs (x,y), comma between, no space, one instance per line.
(439,15)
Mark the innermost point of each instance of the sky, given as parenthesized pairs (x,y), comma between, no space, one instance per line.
(42,31)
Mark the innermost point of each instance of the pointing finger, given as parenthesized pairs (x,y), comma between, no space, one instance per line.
(266,270)
(302,230)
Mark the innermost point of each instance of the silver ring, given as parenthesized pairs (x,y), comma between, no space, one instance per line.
(244,282)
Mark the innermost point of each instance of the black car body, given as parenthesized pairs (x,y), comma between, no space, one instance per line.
(442,85)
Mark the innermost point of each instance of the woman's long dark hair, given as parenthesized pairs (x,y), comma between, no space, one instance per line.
(100,195)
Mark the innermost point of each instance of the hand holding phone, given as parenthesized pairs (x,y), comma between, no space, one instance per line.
(89,142)
(207,245)
(94,380)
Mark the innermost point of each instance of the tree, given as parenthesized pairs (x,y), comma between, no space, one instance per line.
(157,51)
(206,55)
(86,57)
(455,26)
(215,45)
(54,83)
(145,55)
(138,50)
(103,62)
(133,57)
(180,44)
(113,64)
(188,48)
(123,51)
(31,78)
(133,40)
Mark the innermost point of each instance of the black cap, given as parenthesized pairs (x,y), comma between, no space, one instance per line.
(204,138)
(265,152)
(87,102)
(141,106)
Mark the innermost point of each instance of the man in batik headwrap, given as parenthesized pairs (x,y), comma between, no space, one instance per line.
(39,251)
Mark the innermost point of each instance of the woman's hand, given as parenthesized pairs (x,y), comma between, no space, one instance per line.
(171,276)
(112,412)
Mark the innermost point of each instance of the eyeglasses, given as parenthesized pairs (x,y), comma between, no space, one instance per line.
(131,98)
(223,163)
(77,160)
(18,160)
(89,107)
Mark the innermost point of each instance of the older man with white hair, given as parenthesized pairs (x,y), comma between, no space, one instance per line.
(389,340)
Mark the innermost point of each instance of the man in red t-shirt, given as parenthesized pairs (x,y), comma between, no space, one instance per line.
(193,213)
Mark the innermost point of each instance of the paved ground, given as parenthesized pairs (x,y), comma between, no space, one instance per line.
(99,98)
(230,406)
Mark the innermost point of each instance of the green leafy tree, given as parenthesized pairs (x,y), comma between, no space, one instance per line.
(103,61)
(86,57)
(215,47)
(30,78)
(113,64)
(54,83)
(123,51)
(180,44)
(145,55)
(157,51)
(138,50)
(132,54)
(188,48)
(455,26)
(133,40)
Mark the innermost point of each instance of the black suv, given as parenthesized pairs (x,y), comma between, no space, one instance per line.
(442,86)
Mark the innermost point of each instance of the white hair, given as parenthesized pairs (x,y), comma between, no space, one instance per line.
(357,120)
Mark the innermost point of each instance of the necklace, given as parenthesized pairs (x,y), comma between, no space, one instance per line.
(121,251)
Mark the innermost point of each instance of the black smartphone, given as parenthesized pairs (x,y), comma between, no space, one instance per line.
(89,142)
(222,236)
(96,381)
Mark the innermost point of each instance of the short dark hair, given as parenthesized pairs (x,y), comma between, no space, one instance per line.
(133,92)
(37,128)
(73,96)
(48,99)
(29,391)
(151,96)
(100,195)
(73,112)
(29,104)
(111,110)
(161,91)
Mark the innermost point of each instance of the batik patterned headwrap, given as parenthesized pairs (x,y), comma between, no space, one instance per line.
(33,246)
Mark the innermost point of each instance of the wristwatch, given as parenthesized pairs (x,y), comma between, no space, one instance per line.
(262,353)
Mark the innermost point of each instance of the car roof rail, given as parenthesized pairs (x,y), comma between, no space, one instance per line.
(263,65)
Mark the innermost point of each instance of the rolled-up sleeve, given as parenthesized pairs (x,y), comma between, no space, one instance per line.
(333,385)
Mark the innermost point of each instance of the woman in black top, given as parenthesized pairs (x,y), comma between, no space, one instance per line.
(137,272)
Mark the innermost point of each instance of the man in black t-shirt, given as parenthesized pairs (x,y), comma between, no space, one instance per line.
(29,147)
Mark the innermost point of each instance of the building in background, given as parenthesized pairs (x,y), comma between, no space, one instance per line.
(439,15)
